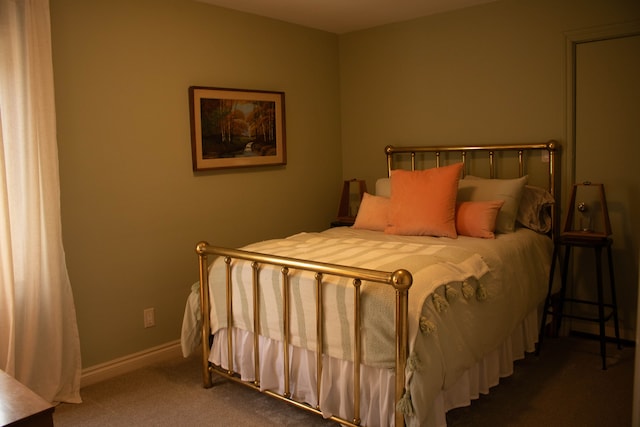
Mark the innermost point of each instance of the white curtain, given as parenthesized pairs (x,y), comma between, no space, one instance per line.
(39,343)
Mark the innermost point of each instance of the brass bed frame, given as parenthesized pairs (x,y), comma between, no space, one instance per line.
(401,280)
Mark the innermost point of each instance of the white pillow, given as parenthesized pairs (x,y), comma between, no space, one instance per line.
(475,189)
(383,187)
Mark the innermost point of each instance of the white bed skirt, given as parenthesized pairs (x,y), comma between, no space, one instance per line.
(377,385)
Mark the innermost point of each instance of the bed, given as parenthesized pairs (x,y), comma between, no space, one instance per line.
(420,306)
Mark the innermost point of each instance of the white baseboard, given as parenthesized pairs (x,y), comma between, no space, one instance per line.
(122,365)
(593,329)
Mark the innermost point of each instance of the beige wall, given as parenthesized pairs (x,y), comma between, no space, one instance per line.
(132,208)
(491,73)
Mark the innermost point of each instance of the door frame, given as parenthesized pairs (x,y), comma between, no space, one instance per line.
(572,40)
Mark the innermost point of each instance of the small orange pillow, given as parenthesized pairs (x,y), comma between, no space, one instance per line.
(373,213)
(423,203)
(478,219)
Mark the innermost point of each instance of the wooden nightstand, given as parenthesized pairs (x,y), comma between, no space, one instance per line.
(352,192)
(343,222)
(20,406)
(606,310)
(580,231)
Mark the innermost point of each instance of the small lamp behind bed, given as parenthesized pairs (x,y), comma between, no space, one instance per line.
(591,221)
(352,192)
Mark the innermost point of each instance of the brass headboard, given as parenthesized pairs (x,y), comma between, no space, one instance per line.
(465,152)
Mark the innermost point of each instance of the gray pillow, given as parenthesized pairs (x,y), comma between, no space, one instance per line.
(475,189)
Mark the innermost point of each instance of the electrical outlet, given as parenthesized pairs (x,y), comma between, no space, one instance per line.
(149,317)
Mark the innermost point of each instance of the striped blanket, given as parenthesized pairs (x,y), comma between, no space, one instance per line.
(437,268)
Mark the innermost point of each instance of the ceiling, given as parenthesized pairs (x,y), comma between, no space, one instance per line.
(343,16)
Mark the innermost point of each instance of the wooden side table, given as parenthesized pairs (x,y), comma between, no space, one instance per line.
(20,406)
(343,222)
(606,311)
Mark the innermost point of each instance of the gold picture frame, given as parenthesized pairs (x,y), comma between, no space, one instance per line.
(233,128)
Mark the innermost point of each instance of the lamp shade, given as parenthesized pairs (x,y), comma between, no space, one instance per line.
(352,192)
(587,213)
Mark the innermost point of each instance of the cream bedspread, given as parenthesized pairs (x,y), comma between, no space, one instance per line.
(432,265)
(468,296)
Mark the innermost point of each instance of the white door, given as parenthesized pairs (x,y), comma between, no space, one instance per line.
(607,151)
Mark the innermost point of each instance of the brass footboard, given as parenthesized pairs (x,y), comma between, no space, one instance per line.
(401,280)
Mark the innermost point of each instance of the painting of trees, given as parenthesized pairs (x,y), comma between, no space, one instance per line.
(232,127)
(236,128)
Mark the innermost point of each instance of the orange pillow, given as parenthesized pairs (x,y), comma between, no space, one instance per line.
(373,213)
(423,203)
(478,219)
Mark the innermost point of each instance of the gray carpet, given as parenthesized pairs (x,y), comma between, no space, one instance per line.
(564,386)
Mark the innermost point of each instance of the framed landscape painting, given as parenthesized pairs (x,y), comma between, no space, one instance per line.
(236,128)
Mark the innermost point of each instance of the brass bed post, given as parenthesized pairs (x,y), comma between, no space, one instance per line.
(551,148)
(256,324)
(463,156)
(520,163)
(285,315)
(357,354)
(227,261)
(552,167)
(204,312)
(319,336)
(401,280)
(552,160)
(492,165)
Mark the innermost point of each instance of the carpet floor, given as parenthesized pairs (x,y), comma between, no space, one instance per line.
(564,386)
